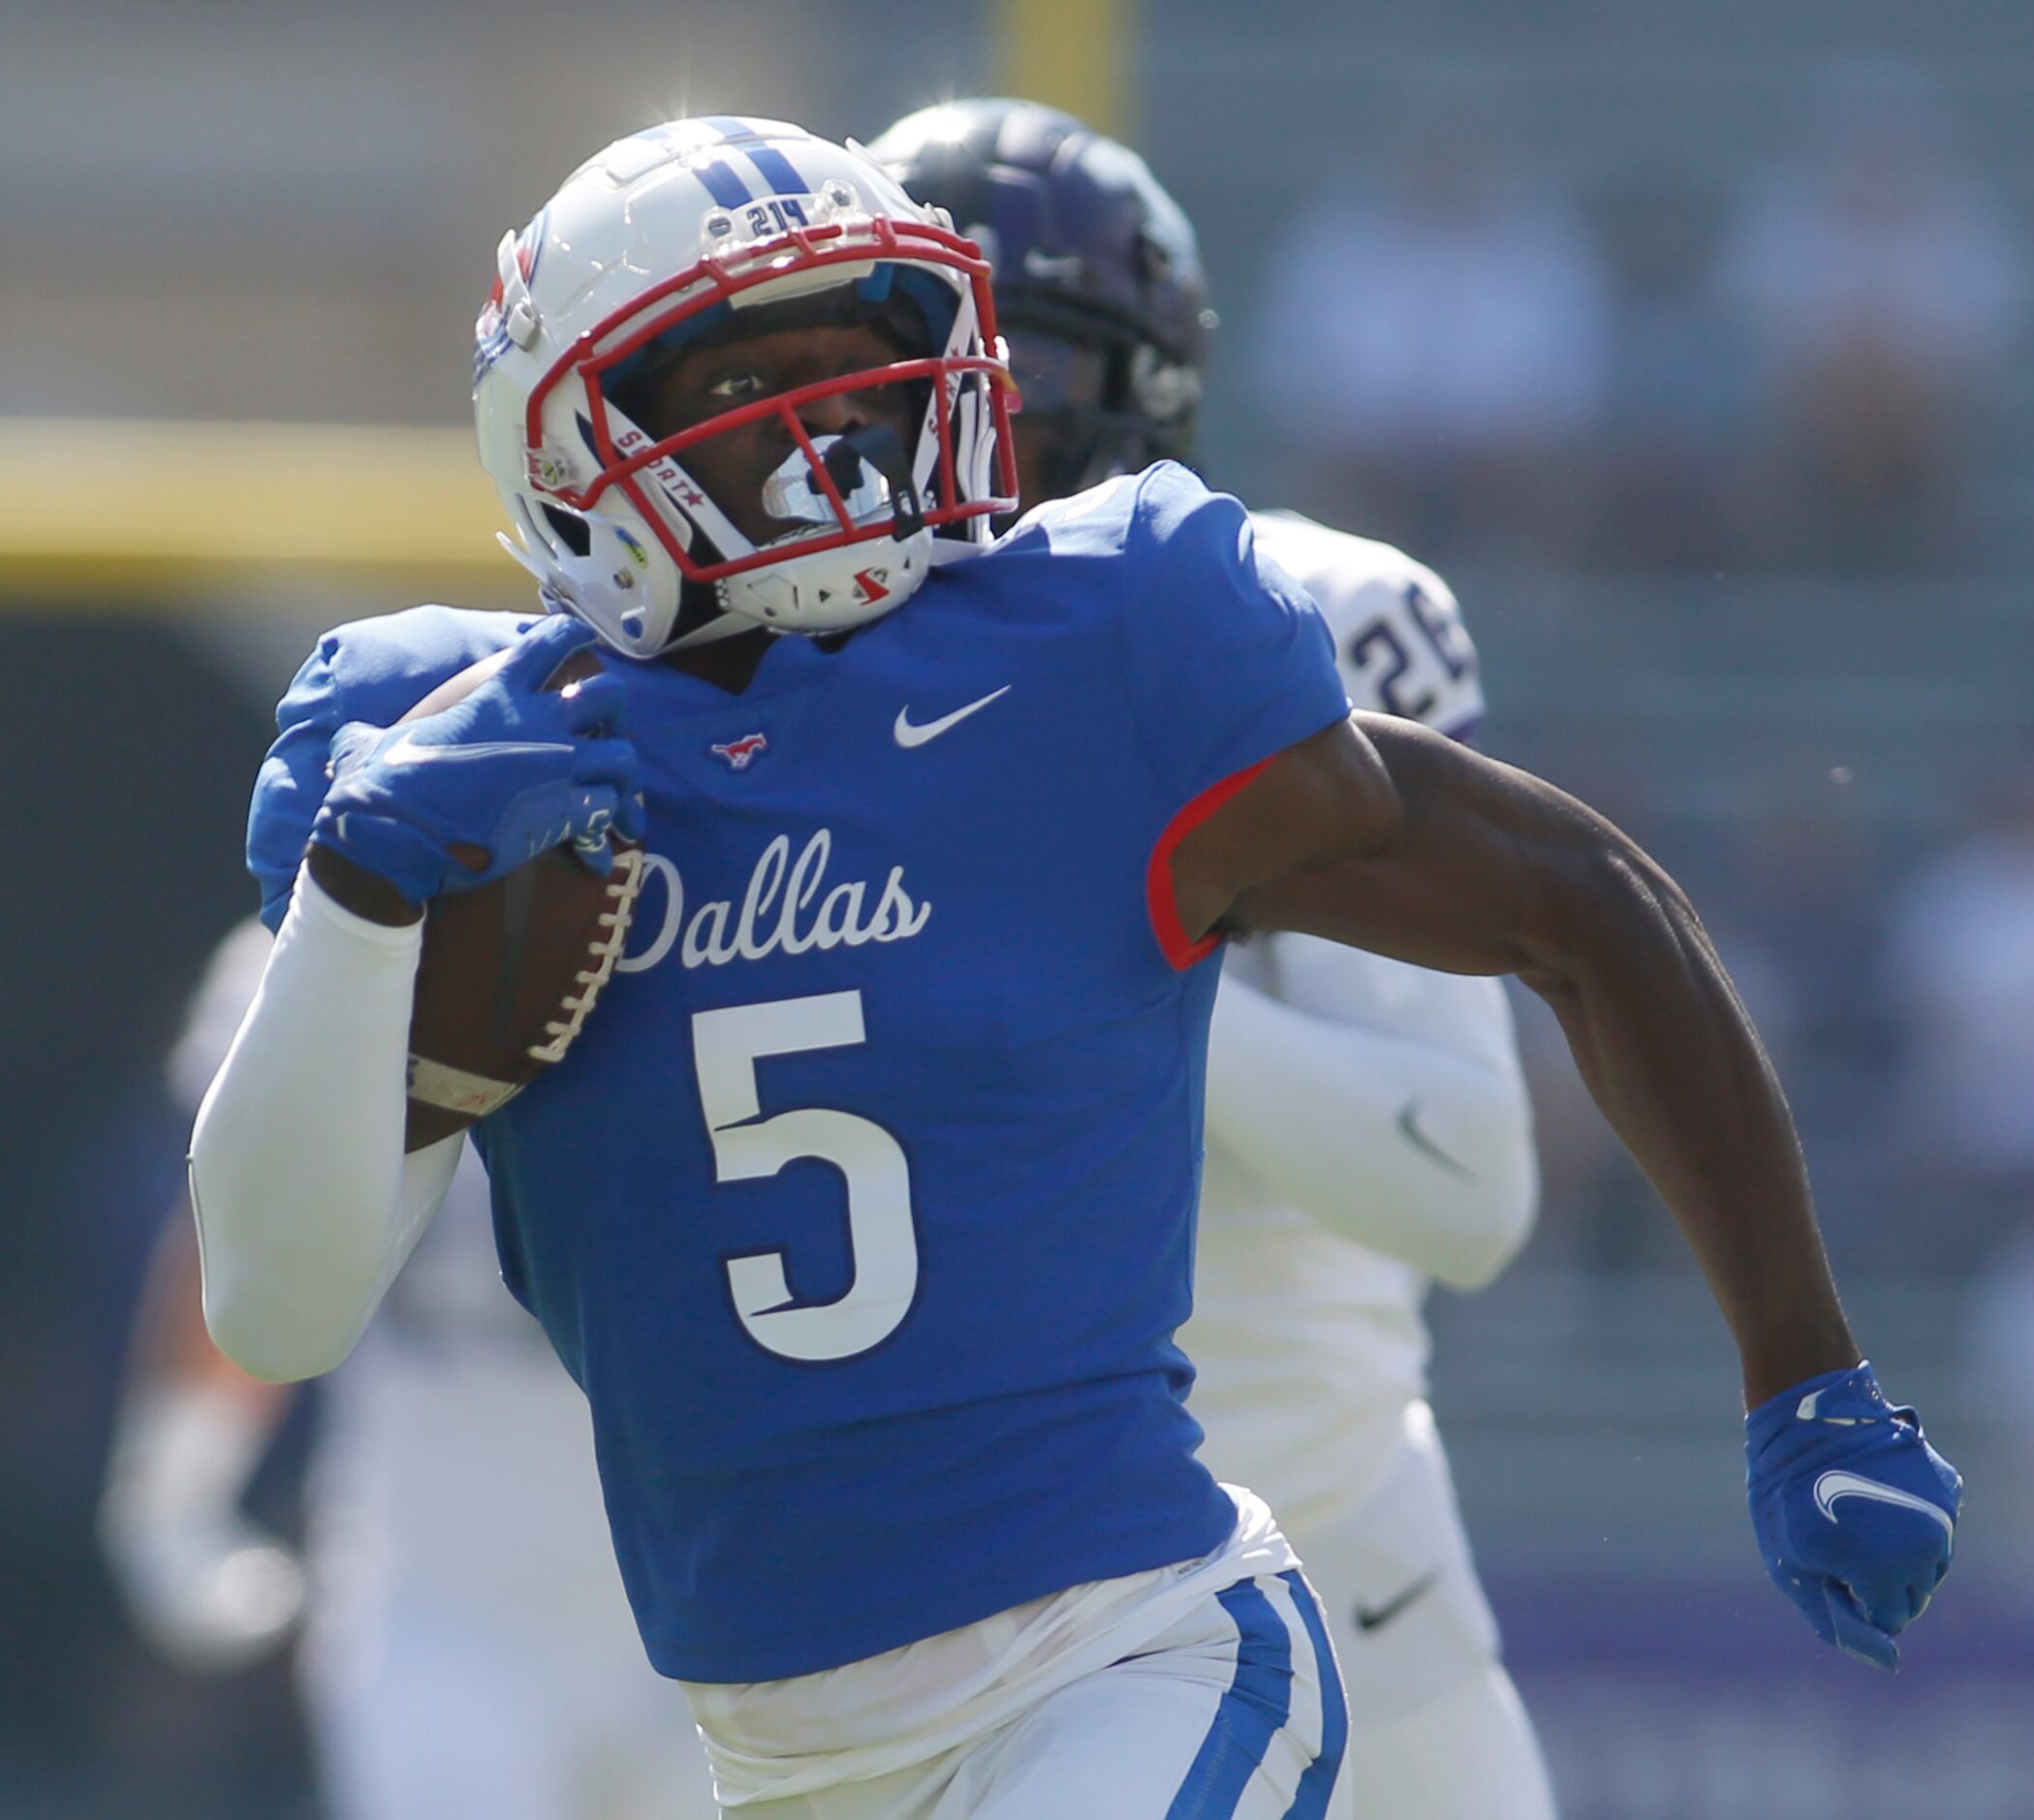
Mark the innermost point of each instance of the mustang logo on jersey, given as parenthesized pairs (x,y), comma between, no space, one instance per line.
(739,752)
(787,909)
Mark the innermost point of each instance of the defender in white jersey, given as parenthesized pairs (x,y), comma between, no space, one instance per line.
(1369,1131)
(1368,1128)
(467,1648)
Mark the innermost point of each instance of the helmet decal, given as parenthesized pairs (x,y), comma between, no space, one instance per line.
(491,333)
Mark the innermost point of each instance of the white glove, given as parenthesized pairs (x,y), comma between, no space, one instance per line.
(208,1589)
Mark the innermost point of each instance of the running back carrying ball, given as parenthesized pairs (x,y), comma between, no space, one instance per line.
(510,970)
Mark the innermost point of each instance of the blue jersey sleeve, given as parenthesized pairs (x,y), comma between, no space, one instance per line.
(291,784)
(375,671)
(1229,661)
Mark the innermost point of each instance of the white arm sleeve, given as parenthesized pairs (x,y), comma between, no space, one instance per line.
(307,1205)
(1416,1146)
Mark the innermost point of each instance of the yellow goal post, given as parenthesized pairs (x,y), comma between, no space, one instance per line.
(103,514)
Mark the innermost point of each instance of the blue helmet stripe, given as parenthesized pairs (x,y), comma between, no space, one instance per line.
(775,170)
(778,172)
(727,189)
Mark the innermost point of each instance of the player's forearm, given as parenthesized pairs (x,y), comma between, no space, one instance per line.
(354,888)
(1490,870)
(1671,1059)
(306,1208)
(1404,1147)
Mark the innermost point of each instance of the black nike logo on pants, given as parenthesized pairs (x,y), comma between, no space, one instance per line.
(1370,1618)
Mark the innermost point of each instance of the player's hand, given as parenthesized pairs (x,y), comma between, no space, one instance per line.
(455,799)
(209,1591)
(1855,1512)
(210,1596)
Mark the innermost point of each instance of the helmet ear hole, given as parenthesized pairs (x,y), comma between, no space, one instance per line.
(572,530)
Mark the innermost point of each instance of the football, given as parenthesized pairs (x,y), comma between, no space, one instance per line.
(511,970)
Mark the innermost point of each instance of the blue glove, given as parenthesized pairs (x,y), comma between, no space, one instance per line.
(1855,1512)
(455,799)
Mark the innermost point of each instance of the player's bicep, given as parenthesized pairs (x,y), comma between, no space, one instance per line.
(1319,800)
(1479,872)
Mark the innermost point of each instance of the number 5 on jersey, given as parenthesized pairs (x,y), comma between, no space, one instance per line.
(882,1241)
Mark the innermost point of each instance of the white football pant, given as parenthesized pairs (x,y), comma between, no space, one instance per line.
(1225,1715)
(1436,1729)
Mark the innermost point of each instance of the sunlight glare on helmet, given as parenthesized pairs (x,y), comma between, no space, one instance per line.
(945,122)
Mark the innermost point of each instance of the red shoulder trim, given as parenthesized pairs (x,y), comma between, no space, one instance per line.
(1160,903)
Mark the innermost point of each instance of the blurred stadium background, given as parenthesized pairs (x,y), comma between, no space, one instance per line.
(1690,340)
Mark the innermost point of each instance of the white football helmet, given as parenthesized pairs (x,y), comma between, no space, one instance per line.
(675,232)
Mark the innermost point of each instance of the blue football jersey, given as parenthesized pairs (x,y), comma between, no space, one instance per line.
(862,1210)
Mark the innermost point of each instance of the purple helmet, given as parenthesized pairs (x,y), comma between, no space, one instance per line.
(1098,278)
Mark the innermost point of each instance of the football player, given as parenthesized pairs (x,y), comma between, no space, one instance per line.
(1368,1128)
(895,1451)
(467,1648)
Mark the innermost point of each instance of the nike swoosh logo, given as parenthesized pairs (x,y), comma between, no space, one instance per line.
(1832,1486)
(407,750)
(909,736)
(1809,1409)
(1375,1617)
(1427,1147)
